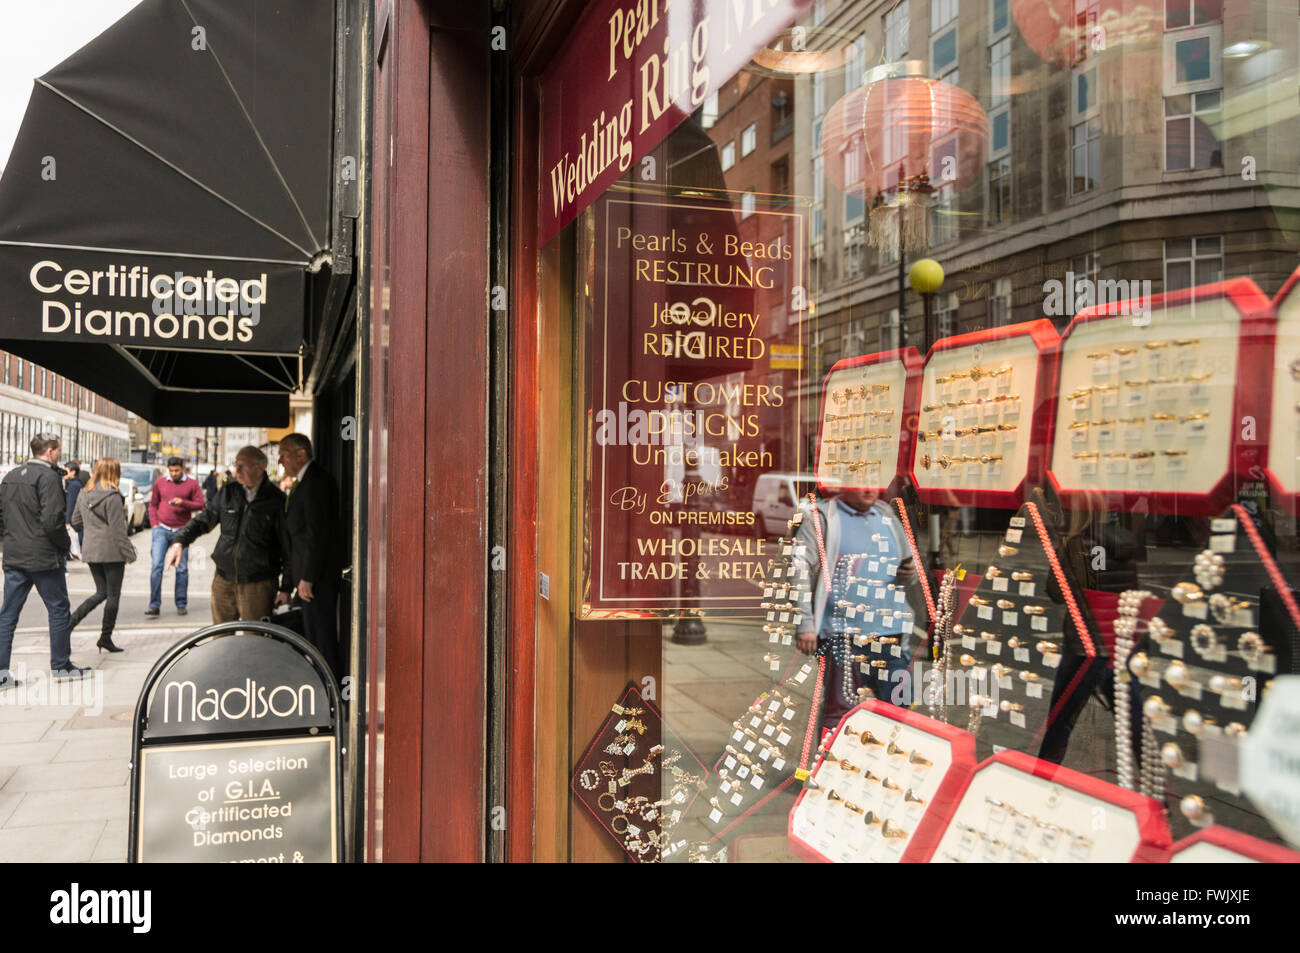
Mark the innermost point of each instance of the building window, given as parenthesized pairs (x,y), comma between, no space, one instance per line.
(1000,303)
(945,314)
(747,205)
(999,205)
(819,96)
(943,40)
(1192,125)
(1181,13)
(749,139)
(818,224)
(63,390)
(1193,60)
(999,17)
(20,374)
(728,155)
(856,66)
(1085,132)
(891,331)
(43,381)
(709,111)
(1193,262)
(1000,72)
(895,30)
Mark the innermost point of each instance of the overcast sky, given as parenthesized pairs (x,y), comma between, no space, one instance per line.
(38,35)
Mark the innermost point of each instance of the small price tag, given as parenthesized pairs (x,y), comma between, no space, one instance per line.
(749,745)
(993,648)
(1013,535)
(731,763)
(1038,623)
(1010,619)
(1034,689)
(737,800)
(778,764)
(742,771)
(1000,584)
(1223,543)
(1022,655)
(756,782)
(1053,660)
(783,739)
(1195,610)
(968,641)
(1027,589)
(984,612)
(1018,719)
(715,816)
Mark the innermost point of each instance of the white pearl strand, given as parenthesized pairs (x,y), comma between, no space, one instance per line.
(1126,623)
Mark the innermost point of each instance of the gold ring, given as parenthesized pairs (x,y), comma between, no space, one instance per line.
(892,830)
(600,802)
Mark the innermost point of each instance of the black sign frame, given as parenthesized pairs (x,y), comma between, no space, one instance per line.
(183,648)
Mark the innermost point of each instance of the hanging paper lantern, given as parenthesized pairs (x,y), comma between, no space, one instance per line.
(897,141)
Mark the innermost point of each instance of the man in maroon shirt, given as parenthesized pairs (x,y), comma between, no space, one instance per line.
(173,503)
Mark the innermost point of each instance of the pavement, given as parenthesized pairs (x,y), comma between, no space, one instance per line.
(65,747)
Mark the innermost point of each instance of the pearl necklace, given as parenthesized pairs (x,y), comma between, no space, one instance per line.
(1126,623)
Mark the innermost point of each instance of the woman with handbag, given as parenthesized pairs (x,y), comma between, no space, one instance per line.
(107,547)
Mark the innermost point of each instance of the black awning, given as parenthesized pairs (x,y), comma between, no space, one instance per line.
(167,193)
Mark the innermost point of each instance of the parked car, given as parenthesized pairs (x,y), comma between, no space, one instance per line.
(136,486)
(775,498)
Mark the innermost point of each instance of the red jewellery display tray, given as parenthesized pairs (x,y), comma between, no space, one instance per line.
(983,434)
(910,771)
(1141,410)
(847,420)
(1210,844)
(1279,424)
(998,809)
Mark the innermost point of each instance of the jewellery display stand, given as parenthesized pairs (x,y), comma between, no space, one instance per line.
(621,779)
(863,442)
(1202,663)
(1151,403)
(1219,845)
(882,788)
(770,744)
(983,416)
(1283,427)
(787,595)
(883,616)
(1024,647)
(1019,809)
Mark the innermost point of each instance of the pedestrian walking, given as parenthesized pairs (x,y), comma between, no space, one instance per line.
(210,484)
(172,504)
(315,560)
(249,554)
(72,487)
(32,516)
(101,514)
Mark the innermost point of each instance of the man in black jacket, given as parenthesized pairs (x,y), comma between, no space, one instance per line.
(35,551)
(316,557)
(249,555)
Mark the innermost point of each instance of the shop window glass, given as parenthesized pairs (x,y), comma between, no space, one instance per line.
(737,386)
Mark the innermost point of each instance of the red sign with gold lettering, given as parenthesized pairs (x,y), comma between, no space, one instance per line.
(688,410)
(632,71)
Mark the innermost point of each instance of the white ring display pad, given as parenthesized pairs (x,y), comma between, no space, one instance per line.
(1011,816)
(1284,420)
(970,419)
(1145,409)
(860,431)
(1203,852)
(843,835)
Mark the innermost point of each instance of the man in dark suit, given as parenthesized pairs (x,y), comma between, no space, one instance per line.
(316,556)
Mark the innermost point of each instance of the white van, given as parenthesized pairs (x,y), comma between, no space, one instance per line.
(775,498)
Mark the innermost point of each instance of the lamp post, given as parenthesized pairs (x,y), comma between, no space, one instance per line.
(926,278)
